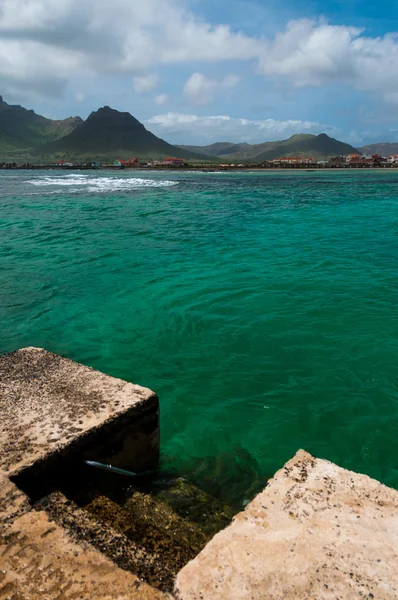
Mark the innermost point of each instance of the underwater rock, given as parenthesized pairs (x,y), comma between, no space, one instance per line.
(232,475)
(192,503)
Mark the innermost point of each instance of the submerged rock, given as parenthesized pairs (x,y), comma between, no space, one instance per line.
(232,475)
(197,506)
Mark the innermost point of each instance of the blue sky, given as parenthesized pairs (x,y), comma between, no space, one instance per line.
(201,71)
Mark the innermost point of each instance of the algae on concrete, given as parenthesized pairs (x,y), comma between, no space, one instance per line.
(153,525)
(194,504)
(40,559)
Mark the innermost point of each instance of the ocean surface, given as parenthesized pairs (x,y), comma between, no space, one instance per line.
(261,307)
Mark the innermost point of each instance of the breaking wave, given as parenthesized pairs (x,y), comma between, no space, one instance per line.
(100,184)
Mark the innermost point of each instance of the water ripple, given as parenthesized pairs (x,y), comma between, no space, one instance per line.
(261,307)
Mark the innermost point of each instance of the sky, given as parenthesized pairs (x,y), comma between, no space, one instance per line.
(205,71)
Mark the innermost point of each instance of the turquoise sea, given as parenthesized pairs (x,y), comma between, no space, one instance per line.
(261,307)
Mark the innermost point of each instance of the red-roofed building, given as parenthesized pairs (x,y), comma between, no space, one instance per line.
(352,157)
(363,162)
(132,162)
(173,162)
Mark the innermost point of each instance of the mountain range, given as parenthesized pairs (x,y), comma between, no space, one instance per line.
(21,128)
(319,147)
(382,149)
(108,134)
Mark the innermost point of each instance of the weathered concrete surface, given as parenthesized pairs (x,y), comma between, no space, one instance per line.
(153,525)
(41,560)
(51,407)
(316,531)
(123,551)
(49,403)
(13,502)
(38,561)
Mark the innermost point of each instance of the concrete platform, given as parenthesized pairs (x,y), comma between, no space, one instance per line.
(316,531)
(50,405)
(53,410)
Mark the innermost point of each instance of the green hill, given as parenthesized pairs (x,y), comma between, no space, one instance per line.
(218,149)
(317,146)
(108,133)
(21,129)
(382,149)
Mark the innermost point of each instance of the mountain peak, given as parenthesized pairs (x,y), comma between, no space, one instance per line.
(301,136)
(106,109)
(300,144)
(113,115)
(22,129)
(109,132)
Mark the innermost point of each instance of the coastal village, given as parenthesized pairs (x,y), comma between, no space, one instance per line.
(110,139)
(351,161)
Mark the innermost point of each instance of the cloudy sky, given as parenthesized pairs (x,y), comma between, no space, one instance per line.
(201,71)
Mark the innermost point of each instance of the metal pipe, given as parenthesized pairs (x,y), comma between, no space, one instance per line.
(97,465)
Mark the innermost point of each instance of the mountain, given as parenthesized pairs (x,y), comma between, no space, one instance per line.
(218,149)
(382,149)
(110,134)
(318,146)
(21,129)
(113,134)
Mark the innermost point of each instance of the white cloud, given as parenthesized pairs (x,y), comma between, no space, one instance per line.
(211,129)
(68,38)
(201,90)
(312,52)
(145,83)
(161,99)
(46,43)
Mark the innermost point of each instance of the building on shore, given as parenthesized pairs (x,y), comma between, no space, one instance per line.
(172,162)
(352,157)
(337,162)
(63,163)
(294,160)
(132,162)
(366,161)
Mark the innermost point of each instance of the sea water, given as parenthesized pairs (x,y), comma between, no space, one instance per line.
(262,307)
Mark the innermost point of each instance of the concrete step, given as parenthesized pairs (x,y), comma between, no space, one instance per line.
(153,525)
(86,529)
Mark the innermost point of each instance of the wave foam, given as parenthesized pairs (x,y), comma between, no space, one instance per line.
(101,184)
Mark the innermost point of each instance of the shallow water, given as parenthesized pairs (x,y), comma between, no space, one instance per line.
(261,307)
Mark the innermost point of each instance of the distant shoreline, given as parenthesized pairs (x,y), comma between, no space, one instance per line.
(200,169)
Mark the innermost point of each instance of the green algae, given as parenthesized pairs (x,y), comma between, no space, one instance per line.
(194,504)
(154,526)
